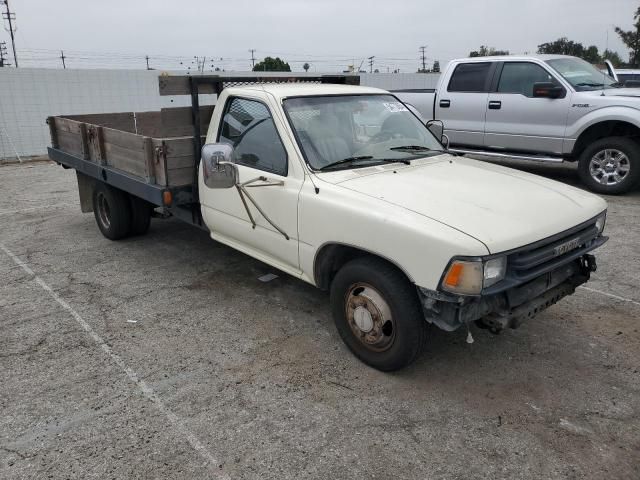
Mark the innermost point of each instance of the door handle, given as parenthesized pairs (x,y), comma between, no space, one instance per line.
(495,105)
(445,103)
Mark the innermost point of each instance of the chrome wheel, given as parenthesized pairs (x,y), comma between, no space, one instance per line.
(609,166)
(104,213)
(369,317)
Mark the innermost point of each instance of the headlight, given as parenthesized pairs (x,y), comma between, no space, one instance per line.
(469,277)
(600,222)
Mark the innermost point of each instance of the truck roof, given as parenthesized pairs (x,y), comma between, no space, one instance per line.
(542,57)
(284,90)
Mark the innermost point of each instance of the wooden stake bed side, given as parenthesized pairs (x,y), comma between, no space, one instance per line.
(156,147)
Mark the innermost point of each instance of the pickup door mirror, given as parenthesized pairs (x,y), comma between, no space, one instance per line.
(436,127)
(217,166)
(547,90)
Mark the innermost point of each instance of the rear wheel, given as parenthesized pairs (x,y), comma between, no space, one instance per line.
(610,165)
(140,215)
(377,313)
(112,211)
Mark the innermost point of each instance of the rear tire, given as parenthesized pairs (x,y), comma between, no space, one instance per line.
(112,211)
(610,165)
(378,314)
(140,215)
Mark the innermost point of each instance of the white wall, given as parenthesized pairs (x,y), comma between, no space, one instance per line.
(29,95)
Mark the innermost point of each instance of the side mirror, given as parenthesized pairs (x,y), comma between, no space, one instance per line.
(217,166)
(547,90)
(436,127)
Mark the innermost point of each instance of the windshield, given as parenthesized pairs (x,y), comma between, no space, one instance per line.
(358,130)
(582,75)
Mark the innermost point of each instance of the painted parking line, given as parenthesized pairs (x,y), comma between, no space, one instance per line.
(610,295)
(147,391)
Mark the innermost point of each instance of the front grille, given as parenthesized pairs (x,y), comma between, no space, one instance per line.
(534,260)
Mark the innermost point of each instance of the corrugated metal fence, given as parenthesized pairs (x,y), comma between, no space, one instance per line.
(29,95)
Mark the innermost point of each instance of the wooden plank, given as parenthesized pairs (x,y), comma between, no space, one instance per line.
(117,158)
(96,144)
(119,121)
(180,176)
(159,161)
(178,122)
(149,168)
(53,132)
(123,139)
(181,161)
(66,125)
(149,124)
(70,143)
(179,85)
(84,141)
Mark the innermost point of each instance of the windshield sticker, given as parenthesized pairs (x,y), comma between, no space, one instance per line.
(394,107)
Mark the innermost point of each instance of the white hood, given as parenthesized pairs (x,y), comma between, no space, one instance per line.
(501,207)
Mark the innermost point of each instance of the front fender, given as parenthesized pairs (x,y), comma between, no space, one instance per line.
(618,113)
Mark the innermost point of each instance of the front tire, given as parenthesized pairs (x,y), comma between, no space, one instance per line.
(112,211)
(611,165)
(378,314)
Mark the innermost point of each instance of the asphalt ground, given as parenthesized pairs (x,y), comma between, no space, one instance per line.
(164,356)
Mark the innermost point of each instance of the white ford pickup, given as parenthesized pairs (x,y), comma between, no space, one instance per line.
(548,108)
(343,187)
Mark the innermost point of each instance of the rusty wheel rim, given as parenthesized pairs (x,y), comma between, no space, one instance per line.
(369,317)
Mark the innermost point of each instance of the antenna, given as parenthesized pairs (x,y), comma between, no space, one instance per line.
(604,75)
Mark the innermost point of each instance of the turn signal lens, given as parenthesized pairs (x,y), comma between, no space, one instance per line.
(464,277)
(600,222)
(167,198)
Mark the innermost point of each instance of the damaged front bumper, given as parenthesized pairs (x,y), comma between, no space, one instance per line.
(507,308)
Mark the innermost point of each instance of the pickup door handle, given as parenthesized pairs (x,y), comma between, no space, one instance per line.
(495,105)
(445,103)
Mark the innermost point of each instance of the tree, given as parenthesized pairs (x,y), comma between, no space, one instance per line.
(306,67)
(272,65)
(613,57)
(592,55)
(563,46)
(485,51)
(436,66)
(631,39)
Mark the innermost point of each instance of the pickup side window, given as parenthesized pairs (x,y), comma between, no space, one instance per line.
(519,77)
(248,126)
(470,77)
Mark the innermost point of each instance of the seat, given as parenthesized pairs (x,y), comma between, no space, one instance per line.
(326,140)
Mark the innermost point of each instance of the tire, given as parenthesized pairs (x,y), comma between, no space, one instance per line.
(112,211)
(140,215)
(611,165)
(378,314)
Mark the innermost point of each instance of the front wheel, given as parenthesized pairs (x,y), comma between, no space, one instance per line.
(610,165)
(377,313)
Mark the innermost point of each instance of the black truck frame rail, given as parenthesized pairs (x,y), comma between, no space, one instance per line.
(184,199)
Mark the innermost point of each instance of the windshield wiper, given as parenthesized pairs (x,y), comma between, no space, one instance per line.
(411,148)
(346,161)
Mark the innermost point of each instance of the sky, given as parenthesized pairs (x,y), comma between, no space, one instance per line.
(328,34)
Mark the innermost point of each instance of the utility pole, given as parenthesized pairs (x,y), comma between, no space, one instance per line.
(62,57)
(424,64)
(10,17)
(147,59)
(3,54)
(371,63)
(253,59)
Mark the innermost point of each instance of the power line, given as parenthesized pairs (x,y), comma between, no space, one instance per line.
(10,17)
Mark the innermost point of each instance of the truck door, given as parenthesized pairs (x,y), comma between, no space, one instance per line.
(516,121)
(462,104)
(268,228)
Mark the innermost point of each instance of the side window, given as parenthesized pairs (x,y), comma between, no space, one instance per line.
(249,127)
(519,77)
(470,77)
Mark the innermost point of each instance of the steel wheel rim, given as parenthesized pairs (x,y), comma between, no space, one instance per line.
(104,213)
(609,166)
(369,317)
